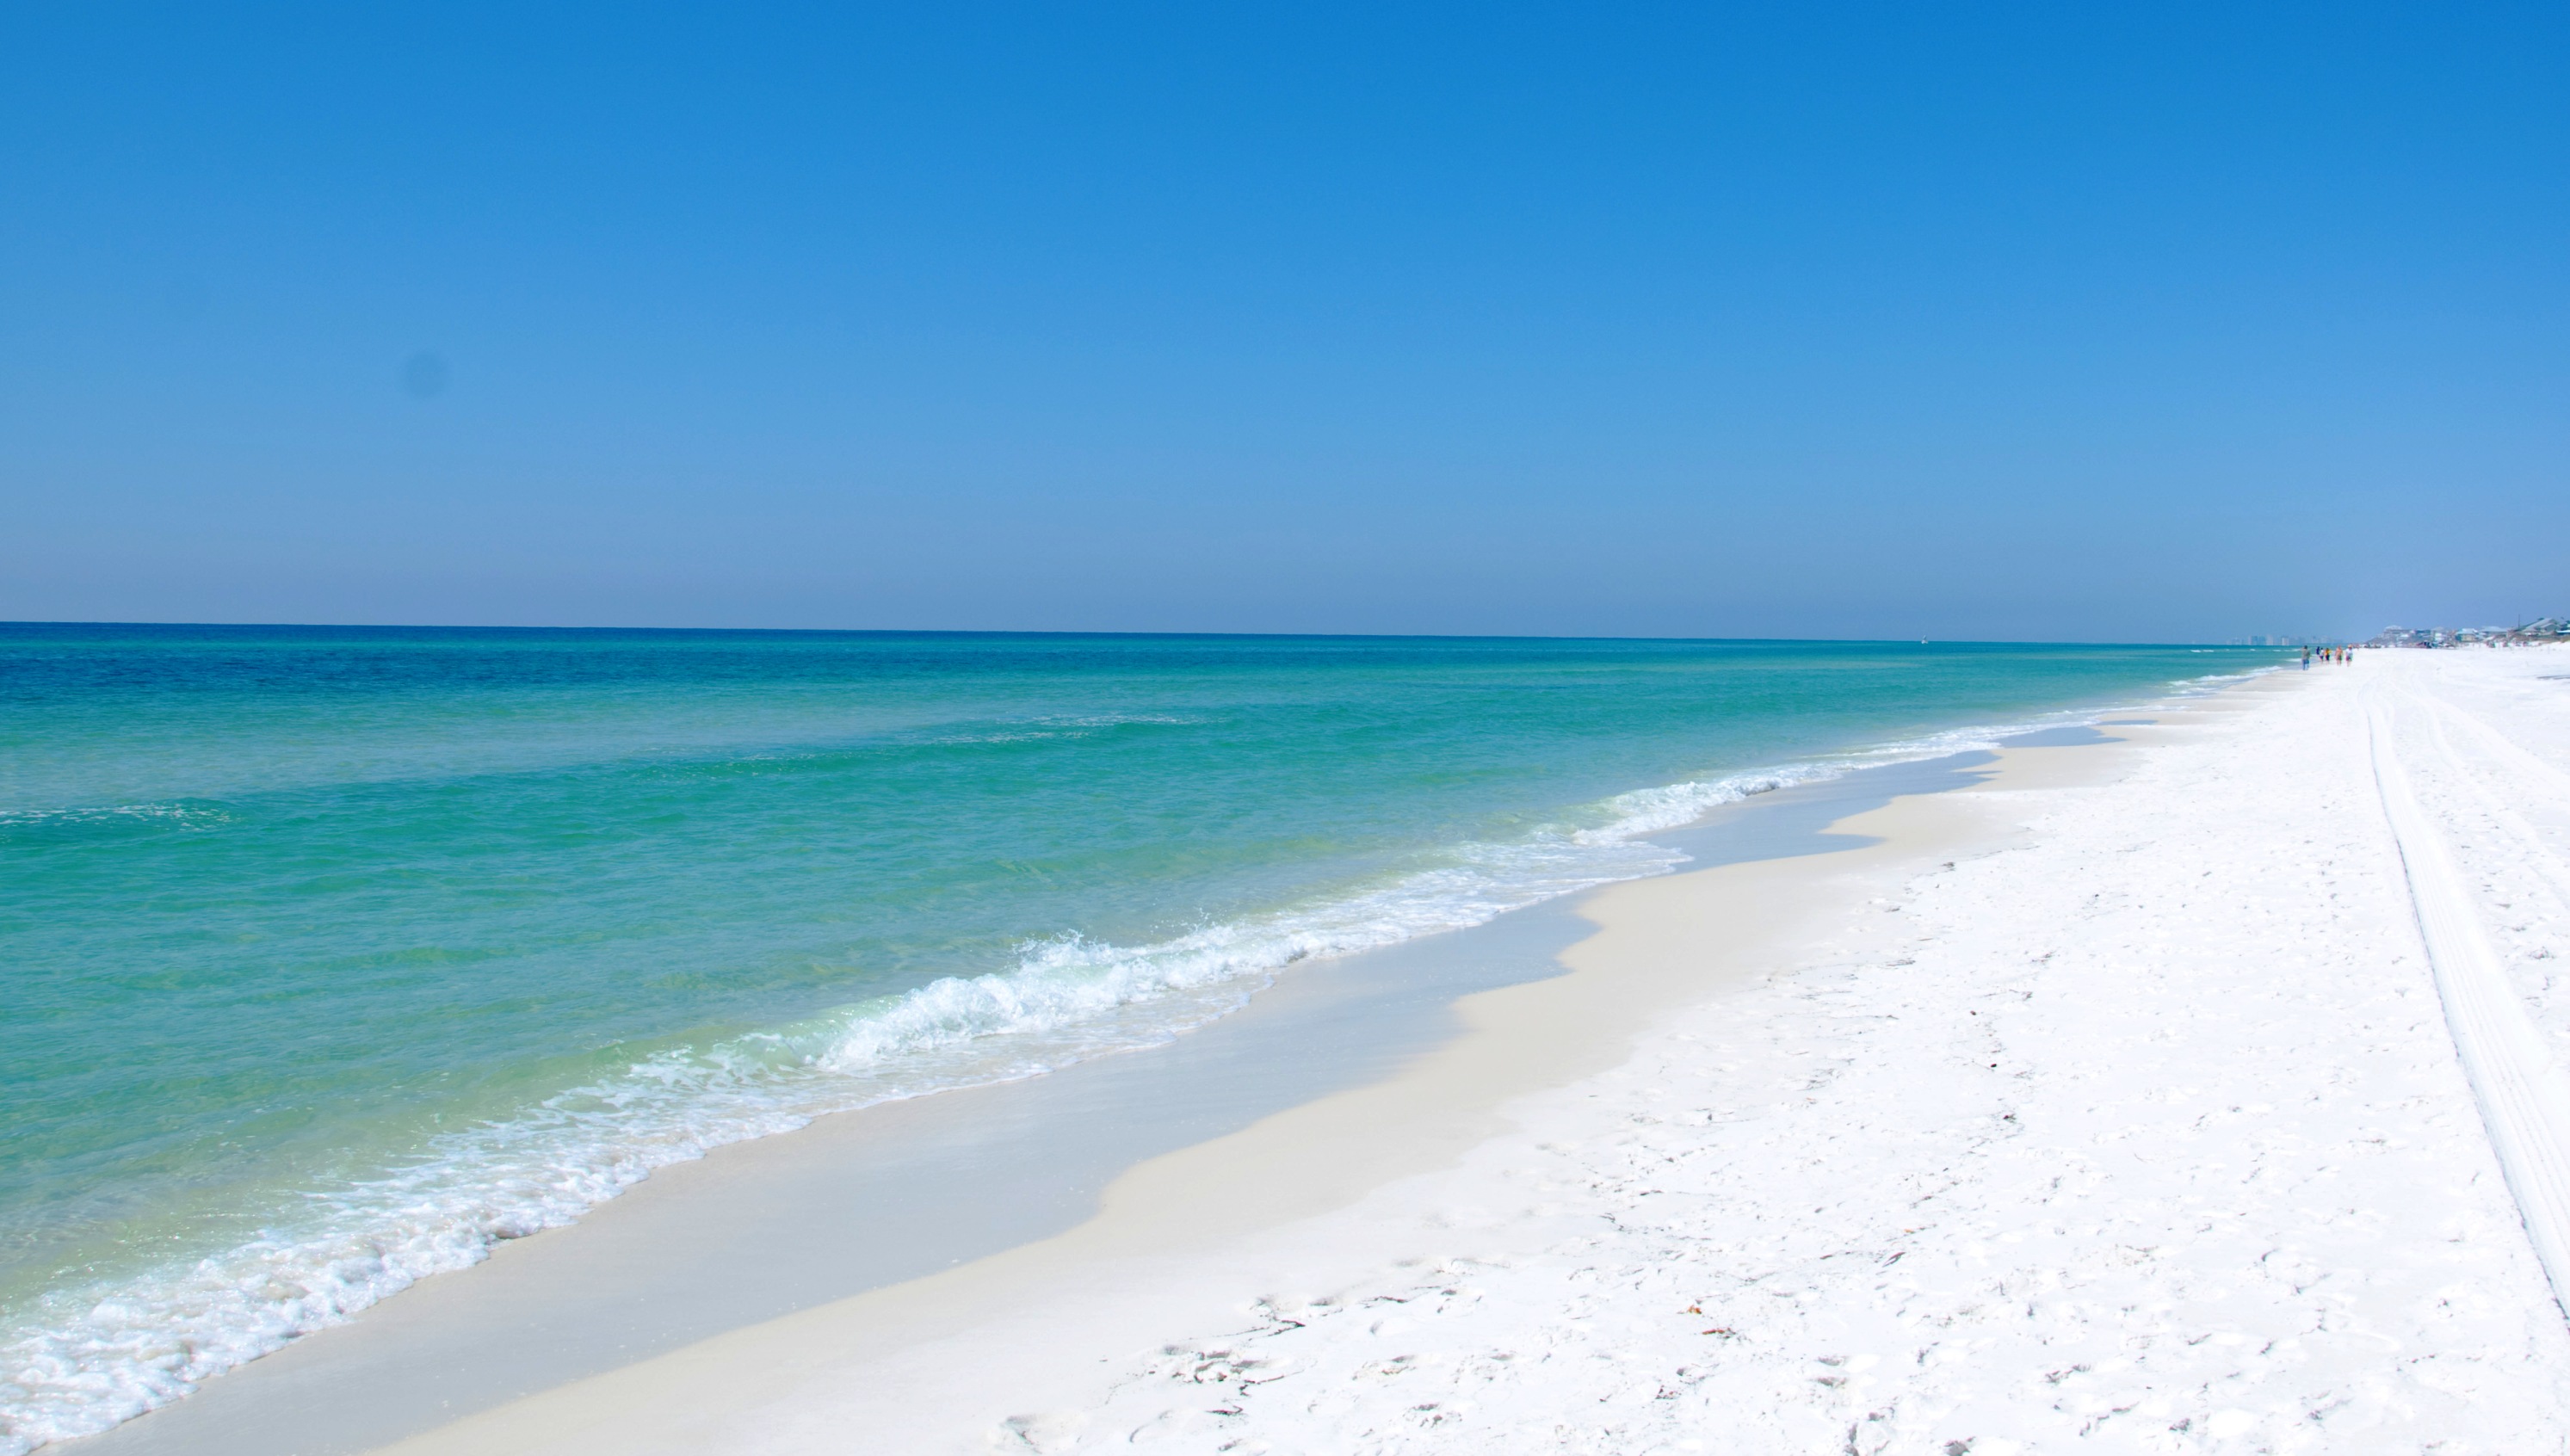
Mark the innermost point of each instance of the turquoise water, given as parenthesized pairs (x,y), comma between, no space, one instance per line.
(334,954)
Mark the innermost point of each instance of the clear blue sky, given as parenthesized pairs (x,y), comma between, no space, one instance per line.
(2039,321)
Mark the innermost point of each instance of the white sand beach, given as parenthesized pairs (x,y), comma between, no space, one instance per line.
(1355,731)
(2110,1104)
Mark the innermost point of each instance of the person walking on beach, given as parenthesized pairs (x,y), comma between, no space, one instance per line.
(2307,660)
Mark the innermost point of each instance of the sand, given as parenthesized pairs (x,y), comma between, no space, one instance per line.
(2107,1103)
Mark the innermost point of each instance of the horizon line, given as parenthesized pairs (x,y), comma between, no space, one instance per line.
(1109,632)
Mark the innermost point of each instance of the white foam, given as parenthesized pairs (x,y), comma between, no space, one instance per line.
(185,815)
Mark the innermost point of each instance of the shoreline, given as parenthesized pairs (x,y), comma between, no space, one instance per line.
(396,1350)
(1163,1226)
(159,1315)
(2109,1099)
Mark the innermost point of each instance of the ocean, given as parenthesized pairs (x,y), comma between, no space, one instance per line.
(335,956)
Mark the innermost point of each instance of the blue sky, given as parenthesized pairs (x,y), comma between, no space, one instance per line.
(2166,322)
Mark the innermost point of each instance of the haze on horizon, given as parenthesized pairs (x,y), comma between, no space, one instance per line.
(2002,321)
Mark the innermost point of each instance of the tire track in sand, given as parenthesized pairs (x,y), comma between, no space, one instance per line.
(2524,1097)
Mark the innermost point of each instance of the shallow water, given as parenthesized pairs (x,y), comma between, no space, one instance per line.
(334,954)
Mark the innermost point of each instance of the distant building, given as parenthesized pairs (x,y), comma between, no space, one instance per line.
(2542,629)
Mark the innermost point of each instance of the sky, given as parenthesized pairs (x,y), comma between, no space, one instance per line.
(2089,323)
